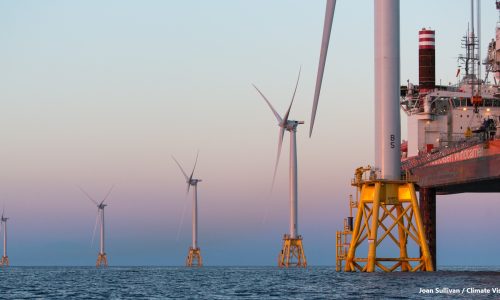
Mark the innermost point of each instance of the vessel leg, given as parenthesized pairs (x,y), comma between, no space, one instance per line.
(424,248)
(428,210)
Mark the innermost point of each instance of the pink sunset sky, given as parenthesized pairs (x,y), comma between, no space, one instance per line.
(98,93)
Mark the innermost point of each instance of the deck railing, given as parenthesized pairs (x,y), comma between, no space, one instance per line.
(423,159)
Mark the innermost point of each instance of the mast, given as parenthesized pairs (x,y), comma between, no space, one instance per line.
(472,33)
(479,46)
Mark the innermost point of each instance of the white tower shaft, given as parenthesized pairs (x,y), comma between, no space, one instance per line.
(5,238)
(101,249)
(195,216)
(387,77)
(293,184)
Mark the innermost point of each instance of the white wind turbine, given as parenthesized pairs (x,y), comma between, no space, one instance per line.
(385,193)
(5,259)
(102,259)
(292,253)
(194,255)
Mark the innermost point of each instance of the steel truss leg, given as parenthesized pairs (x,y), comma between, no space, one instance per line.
(383,207)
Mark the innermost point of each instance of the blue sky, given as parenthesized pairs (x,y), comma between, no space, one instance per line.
(103,92)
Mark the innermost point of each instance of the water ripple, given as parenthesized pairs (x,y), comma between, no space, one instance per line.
(235,282)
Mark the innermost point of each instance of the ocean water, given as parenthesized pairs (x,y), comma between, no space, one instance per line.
(241,283)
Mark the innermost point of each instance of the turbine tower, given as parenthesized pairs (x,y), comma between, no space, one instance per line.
(194,255)
(292,253)
(102,260)
(5,259)
(387,201)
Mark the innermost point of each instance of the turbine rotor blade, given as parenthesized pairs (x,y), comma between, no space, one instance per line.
(184,173)
(179,226)
(285,118)
(107,195)
(188,187)
(280,144)
(195,162)
(327,29)
(97,219)
(278,117)
(87,194)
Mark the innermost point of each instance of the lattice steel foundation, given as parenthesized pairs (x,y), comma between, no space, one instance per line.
(388,209)
(292,253)
(194,258)
(5,261)
(102,260)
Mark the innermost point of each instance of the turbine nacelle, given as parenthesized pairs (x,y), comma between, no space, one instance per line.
(3,219)
(291,125)
(193,182)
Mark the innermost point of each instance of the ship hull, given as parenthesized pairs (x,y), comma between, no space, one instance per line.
(472,170)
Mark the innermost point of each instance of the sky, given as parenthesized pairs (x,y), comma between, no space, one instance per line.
(96,93)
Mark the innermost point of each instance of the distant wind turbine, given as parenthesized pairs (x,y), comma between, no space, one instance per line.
(194,255)
(292,253)
(5,259)
(102,260)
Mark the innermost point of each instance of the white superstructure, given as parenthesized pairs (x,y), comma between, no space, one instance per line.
(444,116)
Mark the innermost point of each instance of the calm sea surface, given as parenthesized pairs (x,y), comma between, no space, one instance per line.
(240,282)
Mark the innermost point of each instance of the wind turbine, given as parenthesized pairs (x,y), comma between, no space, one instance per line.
(102,260)
(292,253)
(5,259)
(194,254)
(385,192)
